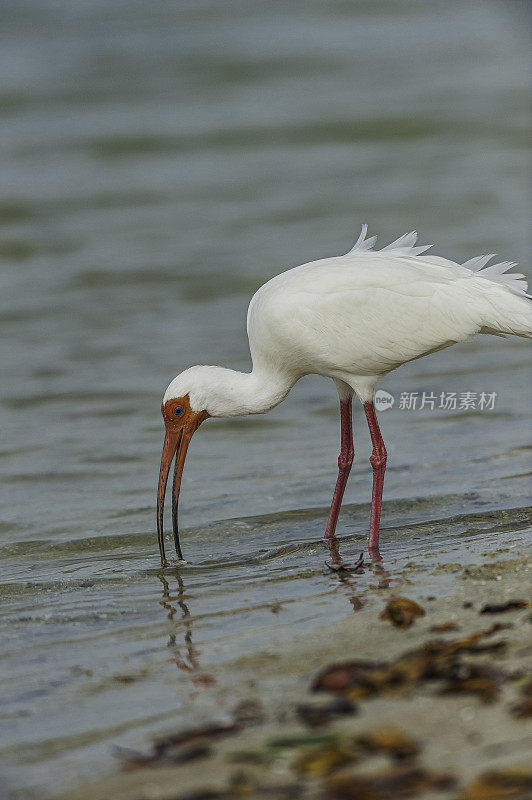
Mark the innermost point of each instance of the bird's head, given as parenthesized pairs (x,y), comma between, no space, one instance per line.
(196,394)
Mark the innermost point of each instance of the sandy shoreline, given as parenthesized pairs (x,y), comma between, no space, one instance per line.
(270,749)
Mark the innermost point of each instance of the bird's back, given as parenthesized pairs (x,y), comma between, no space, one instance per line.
(367,312)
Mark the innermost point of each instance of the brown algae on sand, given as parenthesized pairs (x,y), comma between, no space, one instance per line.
(402,612)
(436,660)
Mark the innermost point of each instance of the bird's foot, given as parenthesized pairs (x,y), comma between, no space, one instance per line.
(338,565)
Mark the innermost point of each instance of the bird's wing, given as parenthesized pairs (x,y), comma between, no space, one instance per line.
(369,311)
(362,316)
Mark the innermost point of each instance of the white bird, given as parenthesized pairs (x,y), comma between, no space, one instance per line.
(352,318)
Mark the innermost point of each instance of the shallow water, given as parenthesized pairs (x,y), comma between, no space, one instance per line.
(159,162)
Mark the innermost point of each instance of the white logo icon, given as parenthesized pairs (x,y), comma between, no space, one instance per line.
(383,400)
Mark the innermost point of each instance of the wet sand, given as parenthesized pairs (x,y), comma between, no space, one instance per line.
(422,737)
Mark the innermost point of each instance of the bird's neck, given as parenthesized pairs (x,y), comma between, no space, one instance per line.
(255,392)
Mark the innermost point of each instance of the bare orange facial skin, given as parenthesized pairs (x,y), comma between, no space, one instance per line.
(185,418)
(180,422)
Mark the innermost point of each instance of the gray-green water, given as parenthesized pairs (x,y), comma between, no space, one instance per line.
(159,161)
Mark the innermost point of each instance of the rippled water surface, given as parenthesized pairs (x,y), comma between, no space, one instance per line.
(159,161)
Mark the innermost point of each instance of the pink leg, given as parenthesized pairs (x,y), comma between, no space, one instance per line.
(378,462)
(345,460)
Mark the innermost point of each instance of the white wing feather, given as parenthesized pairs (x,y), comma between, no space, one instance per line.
(362,243)
(405,245)
(478,262)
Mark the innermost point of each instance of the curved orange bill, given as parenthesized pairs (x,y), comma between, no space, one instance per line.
(171,441)
(176,441)
(184,442)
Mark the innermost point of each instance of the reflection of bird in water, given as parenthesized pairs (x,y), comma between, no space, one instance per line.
(189,663)
(166,602)
(352,318)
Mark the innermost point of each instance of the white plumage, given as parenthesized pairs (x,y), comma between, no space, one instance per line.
(353,319)
(356,317)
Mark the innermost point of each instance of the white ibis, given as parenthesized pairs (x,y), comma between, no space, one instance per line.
(352,318)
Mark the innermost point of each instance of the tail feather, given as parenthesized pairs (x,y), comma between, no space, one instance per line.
(507,313)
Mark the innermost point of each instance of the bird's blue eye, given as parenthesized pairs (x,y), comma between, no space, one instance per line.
(178,410)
